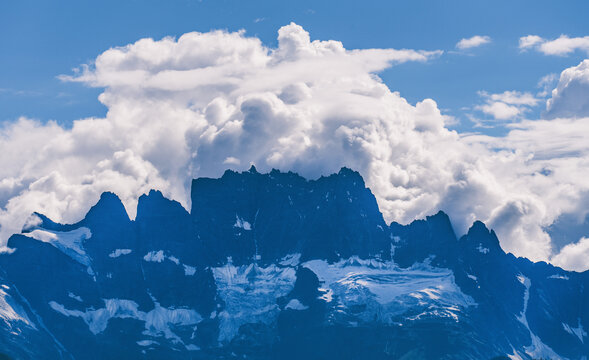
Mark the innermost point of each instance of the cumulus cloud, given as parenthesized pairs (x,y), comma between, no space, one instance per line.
(573,256)
(543,164)
(193,106)
(561,46)
(506,105)
(61,172)
(571,96)
(473,42)
(529,41)
(500,110)
(196,105)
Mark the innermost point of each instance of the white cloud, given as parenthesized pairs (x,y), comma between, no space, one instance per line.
(500,110)
(538,172)
(529,41)
(473,42)
(571,96)
(561,46)
(514,98)
(506,105)
(190,107)
(574,256)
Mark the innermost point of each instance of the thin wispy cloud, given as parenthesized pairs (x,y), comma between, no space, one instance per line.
(546,84)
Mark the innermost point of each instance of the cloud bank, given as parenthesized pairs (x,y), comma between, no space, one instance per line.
(202,103)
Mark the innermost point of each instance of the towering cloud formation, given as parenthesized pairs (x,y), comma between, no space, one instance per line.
(571,96)
(194,106)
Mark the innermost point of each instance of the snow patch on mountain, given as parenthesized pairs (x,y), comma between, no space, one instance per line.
(74,296)
(578,331)
(514,356)
(537,349)
(154,256)
(527,283)
(290,260)
(147,342)
(558,276)
(118,252)
(157,321)
(249,293)
(159,256)
(68,242)
(189,270)
(242,224)
(11,311)
(386,291)
(483,250)
(295,304)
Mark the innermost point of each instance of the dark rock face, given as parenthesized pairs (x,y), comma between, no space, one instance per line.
(274,266)
(270,216)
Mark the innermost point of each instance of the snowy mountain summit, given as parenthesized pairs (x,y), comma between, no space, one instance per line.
(274,266)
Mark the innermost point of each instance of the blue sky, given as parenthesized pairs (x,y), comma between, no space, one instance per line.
(41,40)
(156,113)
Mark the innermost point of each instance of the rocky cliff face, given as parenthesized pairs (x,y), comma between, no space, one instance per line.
(274,266)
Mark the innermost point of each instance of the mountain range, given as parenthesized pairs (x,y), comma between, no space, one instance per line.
(275,266)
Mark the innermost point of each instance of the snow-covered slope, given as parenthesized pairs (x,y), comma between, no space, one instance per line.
(274,266)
